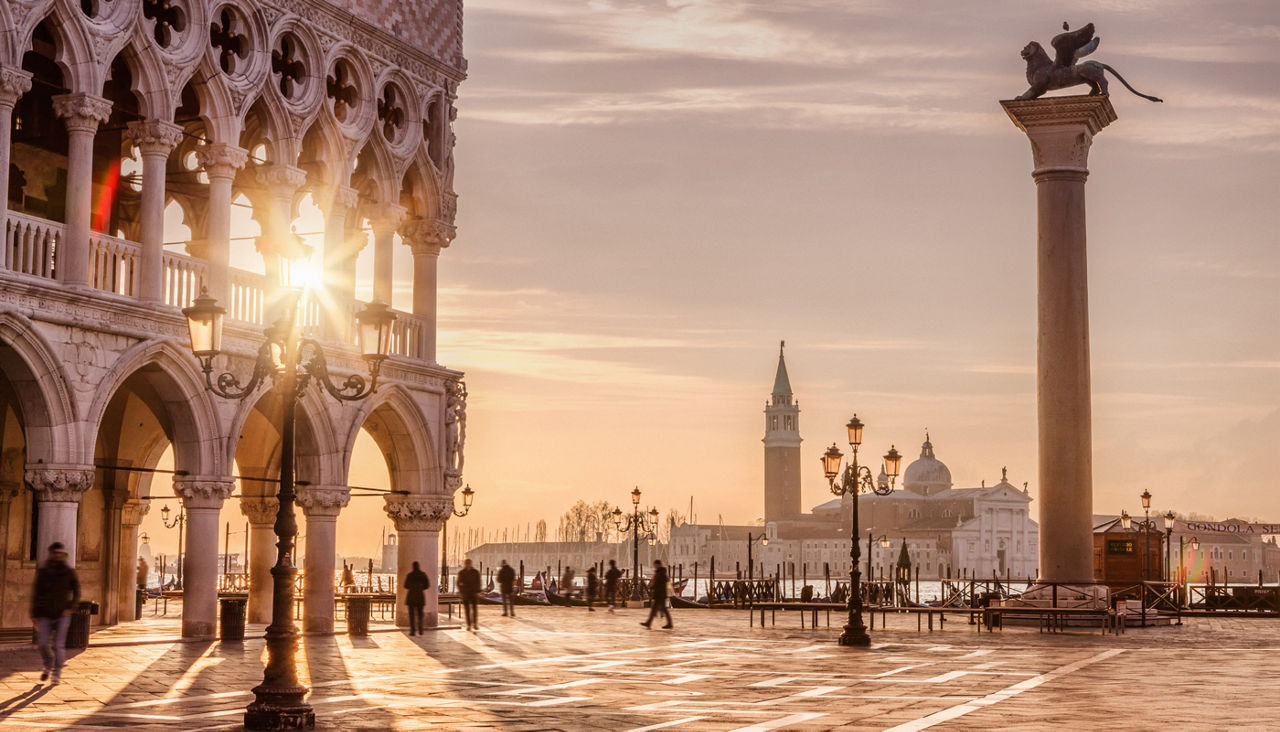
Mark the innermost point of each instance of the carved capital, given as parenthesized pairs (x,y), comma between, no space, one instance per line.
(221,160)
(282,181)
(260,510)
(131,512)
(1061,130)
(418,513)
(347,197)
(14,83)
(82,112)
(385,217)
(203,493)
(59,484)
(323,500)
(155,136)
(427,236)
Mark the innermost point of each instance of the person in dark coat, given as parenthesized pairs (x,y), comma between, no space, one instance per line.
(468,589)
(56,596)
(507,585)
(658,595)
(593,586)
(416,584)
(611,577)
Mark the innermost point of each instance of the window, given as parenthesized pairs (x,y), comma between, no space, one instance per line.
(1119,546)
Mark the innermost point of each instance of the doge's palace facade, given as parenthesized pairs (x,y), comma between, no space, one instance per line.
(118,117)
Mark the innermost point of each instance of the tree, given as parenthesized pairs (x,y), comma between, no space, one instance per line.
(540,532)
(585,521)
(674,517)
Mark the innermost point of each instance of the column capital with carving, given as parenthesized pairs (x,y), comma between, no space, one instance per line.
(418,513)
(203,492)
(282,181)
(1061,131)
(82,112)
(260,509)
(385,217)
(14,82)
(347,197)
(322,501)
(427,236)
(221,160)
(132,511)
(155,136)
(59,484)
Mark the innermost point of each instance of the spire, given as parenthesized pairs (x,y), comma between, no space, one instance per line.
(781,384)
(926,449)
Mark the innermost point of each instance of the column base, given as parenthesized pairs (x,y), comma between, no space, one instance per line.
(853,636)
(267,715)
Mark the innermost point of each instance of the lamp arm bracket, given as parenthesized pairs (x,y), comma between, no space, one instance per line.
(228,386)
(353,388)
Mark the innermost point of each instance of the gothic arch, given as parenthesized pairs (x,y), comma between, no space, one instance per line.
(421,192)
(48,409)
(149,82)
(379,182)
(254,443)
(75,54)
(395,421)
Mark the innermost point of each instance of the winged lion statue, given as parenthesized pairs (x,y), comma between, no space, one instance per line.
(1065,69)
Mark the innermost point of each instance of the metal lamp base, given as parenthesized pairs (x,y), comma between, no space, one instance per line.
(855,637)
(276,709)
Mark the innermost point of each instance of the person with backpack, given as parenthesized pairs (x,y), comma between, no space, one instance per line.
(56,596)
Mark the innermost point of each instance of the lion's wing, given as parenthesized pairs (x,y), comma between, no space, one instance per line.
(1088,48)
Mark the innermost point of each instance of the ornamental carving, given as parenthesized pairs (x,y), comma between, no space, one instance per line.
(59,485)
(203,493)
(221,160)
(427,236)
(455,428)
(425,513)
(260,510)
(281,180)
(13,84)
(82,112)
(155,136)
(383,216)
(323,501)
(131,512)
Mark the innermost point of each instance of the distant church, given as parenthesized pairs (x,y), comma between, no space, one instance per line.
(948,531)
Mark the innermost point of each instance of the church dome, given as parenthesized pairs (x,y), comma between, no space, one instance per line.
(927,474)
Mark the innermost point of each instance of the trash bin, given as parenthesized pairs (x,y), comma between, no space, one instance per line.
(231,618)
(139,599)
(357,615)
(78,630)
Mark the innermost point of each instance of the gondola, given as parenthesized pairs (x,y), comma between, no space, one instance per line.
(555,598)
(681,603)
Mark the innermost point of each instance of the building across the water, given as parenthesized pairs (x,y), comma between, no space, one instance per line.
(975,531)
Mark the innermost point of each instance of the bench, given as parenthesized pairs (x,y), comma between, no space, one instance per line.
(813,608)
(1052,619)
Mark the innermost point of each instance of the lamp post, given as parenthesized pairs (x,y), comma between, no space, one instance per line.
(854,480)
(1146,530)
(1127,523)
(884,544)
(291,362)
(178,521)
(468,496)
(764,541)
(640,523)
(1168,544)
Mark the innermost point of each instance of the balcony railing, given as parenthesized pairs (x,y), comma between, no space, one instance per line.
(31,245)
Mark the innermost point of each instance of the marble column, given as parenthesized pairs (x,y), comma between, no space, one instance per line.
(320,504)
(1061,129)
(418,520)
(340,251)
(220,162)
(277,243)
(58,490)
(261,513)
(385,219)
(203,499)
(130,518)
(14,82)
(426,237)
(82,114)
(155,139)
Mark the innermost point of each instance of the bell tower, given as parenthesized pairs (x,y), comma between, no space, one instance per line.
(781,448)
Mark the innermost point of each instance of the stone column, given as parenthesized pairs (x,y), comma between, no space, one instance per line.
(58,489)
(340,252)
(82,114)
(418,521)
(130,517)
(426,238)
(280,182)
(14,82)
(1061,130)
(385,219)
(261,513)
(155,139)
(203,499)
(220,162)
(320,504)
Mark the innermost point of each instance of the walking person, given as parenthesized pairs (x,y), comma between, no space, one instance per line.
(611,577)
(468,589)
(593,586)
(56,596)
(507,585)
(416,584)
(658,595)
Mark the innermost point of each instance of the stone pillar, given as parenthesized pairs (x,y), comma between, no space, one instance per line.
(14,82)
(1061,130)
(82,114)
(203,499)
(418,521)
(130,517)
(58,489)
(277,243)
(426,238)
(340,252)
(320,504)
(385,219)
(155,139)
(261,513)
(220,162)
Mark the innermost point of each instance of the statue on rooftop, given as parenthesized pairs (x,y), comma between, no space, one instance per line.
(1065,69)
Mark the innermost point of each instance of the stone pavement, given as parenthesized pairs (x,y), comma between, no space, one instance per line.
(565,668)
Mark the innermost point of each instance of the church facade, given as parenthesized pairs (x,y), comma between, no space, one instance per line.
(977,532)
(134,135)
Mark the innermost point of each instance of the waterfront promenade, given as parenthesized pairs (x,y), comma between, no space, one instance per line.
(565,668)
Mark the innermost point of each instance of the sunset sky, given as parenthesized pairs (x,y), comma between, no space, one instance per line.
(654,193)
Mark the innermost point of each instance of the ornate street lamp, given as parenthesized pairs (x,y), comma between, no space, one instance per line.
(854,480)
(178,522)
(640,523)
(468,496)
(291,362)
(884,544)
(1168,544)
(764,541)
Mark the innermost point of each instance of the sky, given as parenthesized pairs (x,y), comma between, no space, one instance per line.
(653,194)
